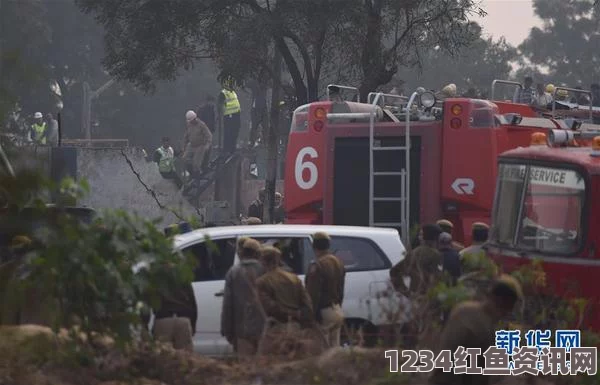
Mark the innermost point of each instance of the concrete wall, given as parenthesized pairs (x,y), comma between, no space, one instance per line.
(114,185)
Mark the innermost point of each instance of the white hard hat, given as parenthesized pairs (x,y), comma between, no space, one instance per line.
(449,90)
(190,115)
(38,115)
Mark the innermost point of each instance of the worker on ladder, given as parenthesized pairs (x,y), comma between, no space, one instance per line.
(230,110)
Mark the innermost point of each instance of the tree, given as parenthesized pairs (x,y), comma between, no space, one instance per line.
(370,38)
(472,68)
(567,43)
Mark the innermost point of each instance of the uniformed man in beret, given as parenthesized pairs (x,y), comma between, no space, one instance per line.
(242,316)
(282,294)
(448,227)
(472,324)
(325,285)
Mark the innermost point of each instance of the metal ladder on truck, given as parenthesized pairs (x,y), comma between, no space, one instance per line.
(404,174)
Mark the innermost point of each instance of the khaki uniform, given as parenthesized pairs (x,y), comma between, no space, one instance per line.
(198,140)
(176,331)
(325,285)
(422,265)
(284,298)
(242,317)
(469,326)
(175,321)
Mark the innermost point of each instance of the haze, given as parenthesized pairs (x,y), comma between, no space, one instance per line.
(512,19)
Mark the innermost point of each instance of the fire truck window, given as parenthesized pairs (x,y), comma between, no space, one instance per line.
(551,220)
(358,254)
(507,206)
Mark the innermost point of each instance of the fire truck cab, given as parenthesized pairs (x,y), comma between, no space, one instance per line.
(545,208)
(349,163)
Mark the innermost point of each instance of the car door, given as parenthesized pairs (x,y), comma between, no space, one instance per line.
(214,258)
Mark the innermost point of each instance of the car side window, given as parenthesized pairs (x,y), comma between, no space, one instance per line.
(292,251)
(213,258)
(358,254)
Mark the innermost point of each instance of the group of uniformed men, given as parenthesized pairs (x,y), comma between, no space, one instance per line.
(262,299)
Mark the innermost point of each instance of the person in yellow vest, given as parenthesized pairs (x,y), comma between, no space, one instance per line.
(164,156)
(230,110)
(37,132)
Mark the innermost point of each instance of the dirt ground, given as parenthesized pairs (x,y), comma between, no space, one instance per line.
(32,355)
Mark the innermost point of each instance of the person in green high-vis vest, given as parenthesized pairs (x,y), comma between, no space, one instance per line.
(230,110)
(164,156)
(37,131)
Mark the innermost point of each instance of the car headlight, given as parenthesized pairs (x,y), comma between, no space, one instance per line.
(427,99)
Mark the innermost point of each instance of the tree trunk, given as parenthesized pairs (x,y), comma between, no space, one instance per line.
(272,141)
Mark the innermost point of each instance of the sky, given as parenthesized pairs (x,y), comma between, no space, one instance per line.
(509,18)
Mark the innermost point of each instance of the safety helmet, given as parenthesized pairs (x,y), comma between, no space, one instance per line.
(38,115)
(550,88)
(449,90)
(190,115)
(562,93)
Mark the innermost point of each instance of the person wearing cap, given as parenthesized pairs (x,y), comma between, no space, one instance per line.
(472,324)
(450,257)
(230,110)
(37,132)
(420,264)
(256,208)
(325,283)
(448,227)
(282,294)
(198,140)
(164,157)
(474,259)
(242,316)
(544,98)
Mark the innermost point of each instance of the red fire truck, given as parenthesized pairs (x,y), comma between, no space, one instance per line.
(544,208)
(347,163)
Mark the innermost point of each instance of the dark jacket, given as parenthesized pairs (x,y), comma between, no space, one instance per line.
(451,263)
(207,113)
(242,315)
(256,209)
(325,282)
(181,303)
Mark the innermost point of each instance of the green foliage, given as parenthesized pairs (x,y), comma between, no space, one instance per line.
(99,276)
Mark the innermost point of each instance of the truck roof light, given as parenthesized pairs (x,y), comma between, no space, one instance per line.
(456,109)
(320,113)
(539,139)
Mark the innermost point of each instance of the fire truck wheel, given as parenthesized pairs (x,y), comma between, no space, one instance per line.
(356,332)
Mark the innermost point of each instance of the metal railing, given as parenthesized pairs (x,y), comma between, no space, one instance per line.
(576,91)
(344,88)
(507,82)
(111,143)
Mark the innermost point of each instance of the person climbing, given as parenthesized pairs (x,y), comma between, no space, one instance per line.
(230,110)
(198,140)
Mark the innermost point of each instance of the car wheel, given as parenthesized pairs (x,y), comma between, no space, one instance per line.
(358,333)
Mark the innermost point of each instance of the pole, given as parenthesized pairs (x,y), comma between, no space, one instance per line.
(88,97)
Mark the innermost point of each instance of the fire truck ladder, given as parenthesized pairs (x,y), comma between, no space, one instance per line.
(404,174)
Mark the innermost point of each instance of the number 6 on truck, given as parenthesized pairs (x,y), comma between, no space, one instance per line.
(301,165)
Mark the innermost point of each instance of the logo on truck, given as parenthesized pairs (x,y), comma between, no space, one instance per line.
(301,165)
(463,186)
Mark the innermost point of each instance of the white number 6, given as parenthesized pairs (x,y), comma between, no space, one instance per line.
(308,165)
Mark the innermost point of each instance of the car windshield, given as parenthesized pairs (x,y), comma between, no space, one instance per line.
(539,208)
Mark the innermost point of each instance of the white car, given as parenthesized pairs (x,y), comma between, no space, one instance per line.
(368,254)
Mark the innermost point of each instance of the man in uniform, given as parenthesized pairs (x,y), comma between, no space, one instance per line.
(37,132)
(474,259)
(448,227)
(421,264)
(242,316)
(282,294)
(229,109)
(198,140)
(325,285)
(472,324)
(175,320)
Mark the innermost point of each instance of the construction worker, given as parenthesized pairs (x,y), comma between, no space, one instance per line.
(175,320)
(52,130)
(256,208)
(229,108)
(325,285)
(164,156)
(37,132)
(242,316)
(472,324)
(198,140)
(448,227)
(474,259)
(420,264)
(282,294)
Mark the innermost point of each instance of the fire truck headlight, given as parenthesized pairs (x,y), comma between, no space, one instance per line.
(427,99)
